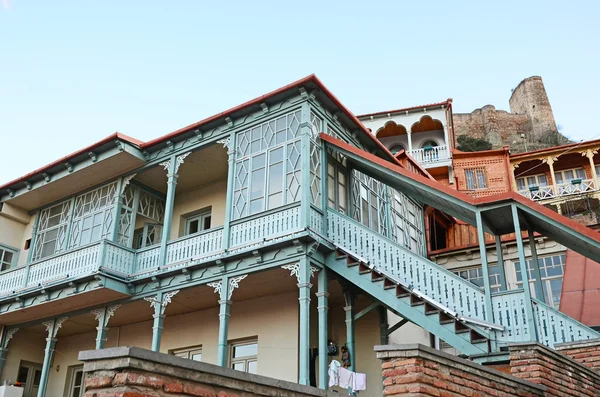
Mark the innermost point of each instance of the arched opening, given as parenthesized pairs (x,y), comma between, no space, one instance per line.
(390,129)
(426,123)
(396,148)
(428,144)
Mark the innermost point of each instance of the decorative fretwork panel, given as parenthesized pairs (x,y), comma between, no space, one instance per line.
(51,232)
(315,160)
(267,166)
(124,231)
(151,206)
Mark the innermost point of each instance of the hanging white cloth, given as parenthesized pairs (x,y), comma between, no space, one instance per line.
(346,378)
(359,382)
(334,373)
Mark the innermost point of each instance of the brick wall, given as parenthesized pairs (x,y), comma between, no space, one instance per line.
(135,372)
(586,353)
(417,370)
(561,375)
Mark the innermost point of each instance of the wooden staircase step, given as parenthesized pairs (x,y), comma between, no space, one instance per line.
(430,309)
(416,301)
(476,337)
(445,319)
(364,269)
(375,277)
(388,284)
(402,292)
(460,328)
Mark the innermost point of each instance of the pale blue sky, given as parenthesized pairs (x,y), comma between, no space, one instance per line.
(73,72)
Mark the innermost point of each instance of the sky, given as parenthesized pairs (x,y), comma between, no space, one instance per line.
(74,72)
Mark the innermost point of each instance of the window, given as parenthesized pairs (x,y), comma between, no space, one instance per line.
(267,167)
(337,186)
(52,227)
(475,178)
(76,384)
(147,236)
(368,197)
(396,148)
(407,225)
(8,258)
(526,182)
(552,271)
(566,176)
(429,144)
(244,356)
(197,223)
(191,353)
(475,275)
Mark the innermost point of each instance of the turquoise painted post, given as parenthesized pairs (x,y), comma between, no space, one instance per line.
(134,210)
(168,217)
(500,257)
(525,276)
(52,328)
(383,326)
(117,210)
(388,212)
(230,144)
(224,314)
(350,344)
(305,131)
(33,238)
(489,314)
(538,288)
(304,298)
(322,307)
(159,320)
(101,329)
(324,185)
(69,223)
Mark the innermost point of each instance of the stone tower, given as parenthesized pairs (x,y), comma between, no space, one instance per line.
(530,98)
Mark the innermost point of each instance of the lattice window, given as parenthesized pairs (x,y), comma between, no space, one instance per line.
(151,206)
(52,229)
(337,186)
(93,216)
(268,166)
(475,178)
(407,225)
(315,160)
(475,275)
(552,269)
(368,199)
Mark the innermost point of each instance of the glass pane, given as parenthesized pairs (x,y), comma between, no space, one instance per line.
(7,257)
(197,356)
(37,376)
(555,288)
(207,220)
(22,376)
(580,173)
(542,180)
(521,184)
(238,366)
(257,183)
(276,178)
(193,226)
(245,350)
(181,354)
(78,377)
(252,367)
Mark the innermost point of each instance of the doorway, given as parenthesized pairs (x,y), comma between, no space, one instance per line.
(29,376)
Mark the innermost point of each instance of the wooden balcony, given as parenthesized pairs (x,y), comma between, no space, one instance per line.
(432,156)
(575,187)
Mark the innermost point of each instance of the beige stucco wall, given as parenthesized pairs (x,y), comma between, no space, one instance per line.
(15,229)
(213,196)
(273,319)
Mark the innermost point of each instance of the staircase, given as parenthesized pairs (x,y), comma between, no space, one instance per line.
(451,308)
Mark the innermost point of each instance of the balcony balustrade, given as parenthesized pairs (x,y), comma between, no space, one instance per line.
(538,193)
(431,155)
(109,258)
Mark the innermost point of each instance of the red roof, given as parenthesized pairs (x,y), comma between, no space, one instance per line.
(256,101)
(85,150)
(447,102)
(555,148)
(476,201)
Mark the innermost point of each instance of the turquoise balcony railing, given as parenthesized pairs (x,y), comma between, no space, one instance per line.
(105,257)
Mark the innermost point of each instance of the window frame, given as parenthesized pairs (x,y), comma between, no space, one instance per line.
(201,218)
(338,169)
(561,174)
(14,260)
(526,184)
(494,287)
(189,351)
(546,280)
(475,178)
(72,378)
(244,359)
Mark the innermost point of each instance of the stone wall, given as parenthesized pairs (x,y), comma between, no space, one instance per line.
(530,114)
(561,375)
(417,370)
(135,372)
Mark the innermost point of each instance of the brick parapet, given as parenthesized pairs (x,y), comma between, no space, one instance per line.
(584,352)
(135,372)
(417,370)
(562,375)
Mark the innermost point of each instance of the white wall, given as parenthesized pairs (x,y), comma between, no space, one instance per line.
(213,196)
